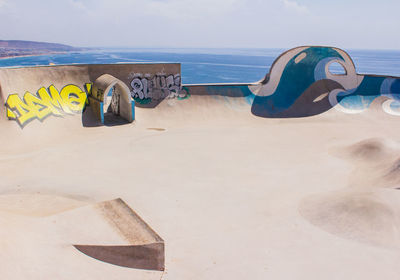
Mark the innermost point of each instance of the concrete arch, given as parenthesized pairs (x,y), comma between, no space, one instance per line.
(120,103)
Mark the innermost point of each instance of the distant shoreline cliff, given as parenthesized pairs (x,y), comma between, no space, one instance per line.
(15,48)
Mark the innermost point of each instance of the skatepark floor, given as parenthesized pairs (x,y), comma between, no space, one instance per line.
(233,196)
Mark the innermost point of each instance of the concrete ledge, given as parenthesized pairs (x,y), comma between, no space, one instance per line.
(134,244)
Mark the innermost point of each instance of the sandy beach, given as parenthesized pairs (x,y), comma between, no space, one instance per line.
(30,55)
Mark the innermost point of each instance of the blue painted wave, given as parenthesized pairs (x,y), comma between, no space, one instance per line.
(300,73)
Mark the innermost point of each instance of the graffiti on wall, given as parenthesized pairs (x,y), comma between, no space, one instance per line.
(70,100)
(156,87)
(303,85)
(115,101)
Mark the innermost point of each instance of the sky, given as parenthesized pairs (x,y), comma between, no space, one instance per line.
(351,24)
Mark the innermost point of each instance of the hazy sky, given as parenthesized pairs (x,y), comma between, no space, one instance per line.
(204,23)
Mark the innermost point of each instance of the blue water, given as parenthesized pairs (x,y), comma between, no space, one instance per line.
(210,65)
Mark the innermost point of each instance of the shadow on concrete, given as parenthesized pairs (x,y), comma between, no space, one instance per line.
(89,119)
(148,103)
(145,256)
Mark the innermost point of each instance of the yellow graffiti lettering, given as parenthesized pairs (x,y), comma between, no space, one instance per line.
(71,99)
(53,99)
(21,110)
(74,97)
(37,106)
(88,88)
(11,115)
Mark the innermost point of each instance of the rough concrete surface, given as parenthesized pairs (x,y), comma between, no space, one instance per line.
(234,189)
(232,195)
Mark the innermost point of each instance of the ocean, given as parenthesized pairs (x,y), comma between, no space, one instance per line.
(210,65)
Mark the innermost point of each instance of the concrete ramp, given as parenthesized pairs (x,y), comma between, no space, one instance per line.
(296,176)
(120,237)
(300,83)
(37,93)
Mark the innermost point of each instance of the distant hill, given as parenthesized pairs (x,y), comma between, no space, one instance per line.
(10,48)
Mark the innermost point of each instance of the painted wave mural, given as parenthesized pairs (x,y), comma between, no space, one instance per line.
(300,83)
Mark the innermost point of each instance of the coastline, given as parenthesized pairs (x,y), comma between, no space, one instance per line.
(29,55)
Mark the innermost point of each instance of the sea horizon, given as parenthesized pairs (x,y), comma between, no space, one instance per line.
(207,65)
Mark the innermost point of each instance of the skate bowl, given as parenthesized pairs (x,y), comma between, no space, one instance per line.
(294,176)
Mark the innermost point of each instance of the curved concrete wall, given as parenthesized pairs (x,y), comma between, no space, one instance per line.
(299,84)
(39,92)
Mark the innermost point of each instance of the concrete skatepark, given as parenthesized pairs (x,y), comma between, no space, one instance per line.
(122,172)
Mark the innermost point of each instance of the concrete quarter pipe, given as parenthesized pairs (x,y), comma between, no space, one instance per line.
(299,84)
(293,176)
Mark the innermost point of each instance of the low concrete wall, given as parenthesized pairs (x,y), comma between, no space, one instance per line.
(299,84)
(38,92)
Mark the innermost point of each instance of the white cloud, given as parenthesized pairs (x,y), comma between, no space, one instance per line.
(171,9)
(293,5)
(201,23)
(3,3)
(78,4)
